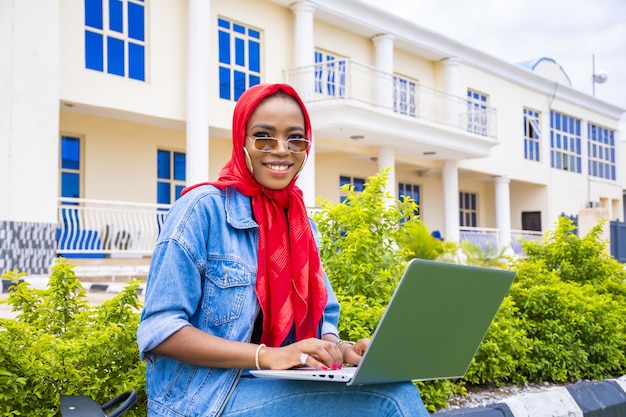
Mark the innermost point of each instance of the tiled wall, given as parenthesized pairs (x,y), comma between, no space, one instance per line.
(27,247)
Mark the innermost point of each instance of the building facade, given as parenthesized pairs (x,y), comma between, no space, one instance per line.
(110,107)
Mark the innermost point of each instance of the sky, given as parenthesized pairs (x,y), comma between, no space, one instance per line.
(571,32)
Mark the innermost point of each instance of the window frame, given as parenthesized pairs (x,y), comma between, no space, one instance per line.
(532,135)
(477,118)
(468,214)
(565,145)
(330,74)
(72,171)
(173,182)
(601,140)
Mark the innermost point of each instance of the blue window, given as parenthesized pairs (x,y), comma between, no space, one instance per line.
(477,113)
(409,190)
(239,58)
(330,75)
(118,45)
(70,167)
(565,143)
(468,210)
(357,185)
(404,97)
(532,133)
(601,151)
(171,175)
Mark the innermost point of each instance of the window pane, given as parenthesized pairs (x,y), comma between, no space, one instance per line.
(344,180)
(93,13)
(179,166)
(359,184)
(93,51)
(254,56)
(254,80)
(253,33)
(136,22)
(70,153)
(163,193)
(239,28)
(240,84)
(70,185)
(163,165)
(224,45)
(136,62)
(240,52)
(224,83)
(116,19)
(177,191)
(115,55)
(223,23)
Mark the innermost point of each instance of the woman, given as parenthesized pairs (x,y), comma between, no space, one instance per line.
(236,283)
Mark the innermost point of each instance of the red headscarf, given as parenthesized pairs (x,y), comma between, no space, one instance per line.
(290,282)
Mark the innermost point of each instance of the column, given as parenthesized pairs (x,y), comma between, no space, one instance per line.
(386,158)
(198,66)
(450,177)
(29,134)
(383,45)
(451,69)
(304,82)
(503,212)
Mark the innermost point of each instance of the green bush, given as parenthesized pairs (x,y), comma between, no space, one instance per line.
(365,243)
(59,344)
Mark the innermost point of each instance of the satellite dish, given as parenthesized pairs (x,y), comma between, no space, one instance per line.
(600,77)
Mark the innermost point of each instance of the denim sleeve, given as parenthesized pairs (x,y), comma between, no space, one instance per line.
(172,295)
(330,320)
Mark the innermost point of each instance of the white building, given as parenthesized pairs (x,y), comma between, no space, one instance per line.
(119,104)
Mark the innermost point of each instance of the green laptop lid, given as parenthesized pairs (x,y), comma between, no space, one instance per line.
(434,323)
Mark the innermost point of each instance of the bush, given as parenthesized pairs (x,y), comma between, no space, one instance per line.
(59,344)
(364,259)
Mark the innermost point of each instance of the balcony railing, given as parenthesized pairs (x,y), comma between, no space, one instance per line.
(347,80)
(98,228)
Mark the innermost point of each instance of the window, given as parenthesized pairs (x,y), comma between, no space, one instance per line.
(115,37)
(601,151)
(410,190)
(476,112)
(239,58)
(404,95)
(358,184)
(565,142)
(70,167)
(532,133)
(468,212)
(171,167)
(330,75)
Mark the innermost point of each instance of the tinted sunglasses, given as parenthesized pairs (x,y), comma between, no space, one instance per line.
(268,144)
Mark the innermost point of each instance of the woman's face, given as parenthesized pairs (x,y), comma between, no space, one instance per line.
(279,117)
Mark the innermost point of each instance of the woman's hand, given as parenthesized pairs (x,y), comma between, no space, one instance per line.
(352,353)
(319,354)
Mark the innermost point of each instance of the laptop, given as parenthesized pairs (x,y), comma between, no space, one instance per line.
(434,323)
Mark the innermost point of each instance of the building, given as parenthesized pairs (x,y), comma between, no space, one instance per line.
(109,108)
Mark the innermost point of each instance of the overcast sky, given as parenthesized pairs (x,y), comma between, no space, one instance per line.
(568,31)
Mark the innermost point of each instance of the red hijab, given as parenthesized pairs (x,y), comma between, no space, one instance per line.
(290,282)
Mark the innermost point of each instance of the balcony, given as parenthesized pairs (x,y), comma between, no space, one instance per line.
(115,229)
(346,99)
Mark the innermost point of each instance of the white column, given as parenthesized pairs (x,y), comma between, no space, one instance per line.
(383,45)
(303,80)
(451,69)
(386,158)
(503,212)
(198,66)
(450,176)
(304,58)
(29,112)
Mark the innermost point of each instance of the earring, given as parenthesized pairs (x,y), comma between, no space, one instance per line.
(248,161)
(302,166)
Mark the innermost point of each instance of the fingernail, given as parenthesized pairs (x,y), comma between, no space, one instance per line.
(325,368)
(334,366)
(340,365)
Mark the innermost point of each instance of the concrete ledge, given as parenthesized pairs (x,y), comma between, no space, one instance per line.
(583,399)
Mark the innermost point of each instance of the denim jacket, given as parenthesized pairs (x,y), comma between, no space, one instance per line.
(203,273)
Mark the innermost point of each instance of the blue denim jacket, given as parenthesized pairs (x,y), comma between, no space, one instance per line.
(203,273)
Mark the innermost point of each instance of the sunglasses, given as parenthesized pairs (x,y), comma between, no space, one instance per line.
(268,144)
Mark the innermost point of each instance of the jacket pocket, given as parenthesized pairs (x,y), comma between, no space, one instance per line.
(225,289)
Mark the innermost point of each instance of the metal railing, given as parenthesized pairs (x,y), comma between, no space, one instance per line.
(124,229)
(114,228)
(348,80)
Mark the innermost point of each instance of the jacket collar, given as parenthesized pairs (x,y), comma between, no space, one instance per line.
(238,209)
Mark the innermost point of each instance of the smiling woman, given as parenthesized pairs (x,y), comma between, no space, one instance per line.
(236,282)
